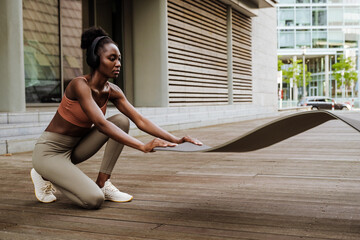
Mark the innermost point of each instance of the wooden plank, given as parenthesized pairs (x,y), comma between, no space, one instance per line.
(296,189)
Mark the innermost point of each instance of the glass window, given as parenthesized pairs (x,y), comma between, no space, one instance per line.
(71,23)
(336,38)
(302,1)
(335,1)
(286,16)
(319,16)
(303,16)
(319,38)
(303,38)
(319,1)
(336,16)
(352,15)
(41,51)
(351,38)
(286,39)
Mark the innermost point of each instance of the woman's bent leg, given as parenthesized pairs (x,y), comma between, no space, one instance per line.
(94,140)
(51,159)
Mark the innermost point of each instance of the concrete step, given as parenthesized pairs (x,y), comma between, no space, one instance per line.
(21,129)
(16,144)
(26,117)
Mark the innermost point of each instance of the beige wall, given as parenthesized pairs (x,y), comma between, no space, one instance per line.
(150,53)
(12,82)
(265,58)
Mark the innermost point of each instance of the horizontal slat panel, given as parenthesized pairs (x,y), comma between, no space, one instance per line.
(195,75)
(216,9)
(195,64)
(186,68)
(198,59)
(194,24)
(201,88)
(191,81)
(203,17)
(197,55)
(242,58)
(198,50)
(198,43)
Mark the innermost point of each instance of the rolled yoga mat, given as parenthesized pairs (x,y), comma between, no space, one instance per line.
(269,134)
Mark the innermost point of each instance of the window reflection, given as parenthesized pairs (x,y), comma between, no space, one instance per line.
(41,51)
(71,22)
(319,38)
(42,47)
(319,16)
(303,38)
(303,16)
(286,16)
(352,15)
(351,38)
(336,16)
(336,38)
(286,39)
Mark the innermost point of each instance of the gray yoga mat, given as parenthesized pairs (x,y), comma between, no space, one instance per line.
(269,133)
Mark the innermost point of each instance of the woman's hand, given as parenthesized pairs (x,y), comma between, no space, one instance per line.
(191,140)
(157,142)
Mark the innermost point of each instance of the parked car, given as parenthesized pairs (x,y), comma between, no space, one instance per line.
(319,102)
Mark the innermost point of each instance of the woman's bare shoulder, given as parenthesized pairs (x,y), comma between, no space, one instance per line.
(115,92)
(75,86)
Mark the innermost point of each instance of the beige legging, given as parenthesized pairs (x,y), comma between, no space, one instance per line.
(55,156)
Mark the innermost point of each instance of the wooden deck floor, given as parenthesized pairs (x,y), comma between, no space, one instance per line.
(306,187)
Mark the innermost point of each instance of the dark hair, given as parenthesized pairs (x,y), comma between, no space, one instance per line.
(88,37)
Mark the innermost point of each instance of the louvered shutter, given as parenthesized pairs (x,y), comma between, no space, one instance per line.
(197,52)
(242,70)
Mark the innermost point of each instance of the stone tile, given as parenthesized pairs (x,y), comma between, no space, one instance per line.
(3,118)
(2,147)
(21,145)
(46,116)
(23,117)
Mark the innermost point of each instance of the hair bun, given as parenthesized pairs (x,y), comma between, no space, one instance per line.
(90,34)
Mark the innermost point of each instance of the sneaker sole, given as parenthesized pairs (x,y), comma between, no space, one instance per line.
(119,201)
(35,193)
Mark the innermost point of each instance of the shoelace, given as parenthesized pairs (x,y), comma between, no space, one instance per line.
(48,188)
(111,188)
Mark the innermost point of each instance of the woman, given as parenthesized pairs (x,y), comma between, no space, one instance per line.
(79,129)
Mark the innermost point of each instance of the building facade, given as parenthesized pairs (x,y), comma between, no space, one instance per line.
(319,31)
(175,52)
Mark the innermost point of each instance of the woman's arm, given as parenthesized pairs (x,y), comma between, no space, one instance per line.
(144,124)
(91,109)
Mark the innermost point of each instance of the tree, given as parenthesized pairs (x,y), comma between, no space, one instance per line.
(295,72)
(280,64)
(344,69)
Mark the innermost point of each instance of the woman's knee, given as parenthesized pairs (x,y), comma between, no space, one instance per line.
(94,200)
(121,121)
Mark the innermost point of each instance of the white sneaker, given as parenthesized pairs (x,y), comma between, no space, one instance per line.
(111,193)
(43,189)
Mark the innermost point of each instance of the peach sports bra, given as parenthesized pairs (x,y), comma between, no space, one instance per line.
(71,111)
